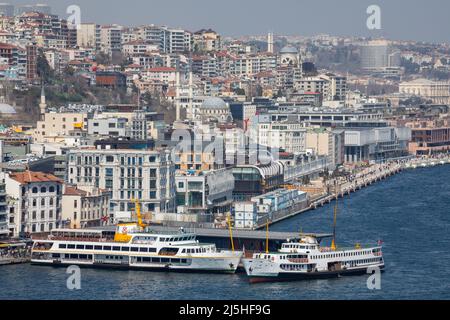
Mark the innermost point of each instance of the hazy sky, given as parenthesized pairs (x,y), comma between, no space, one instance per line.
(425,20)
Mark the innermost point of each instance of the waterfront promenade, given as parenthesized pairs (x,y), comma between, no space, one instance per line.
(14,255)
(364,177)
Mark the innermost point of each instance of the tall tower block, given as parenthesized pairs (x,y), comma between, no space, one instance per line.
(270,42)
(43,103)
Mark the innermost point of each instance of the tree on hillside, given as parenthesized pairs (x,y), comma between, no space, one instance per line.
(43,68)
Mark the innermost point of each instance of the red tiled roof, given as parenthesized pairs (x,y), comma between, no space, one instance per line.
(4,45)
(162,69)
(31,176)
(72,191)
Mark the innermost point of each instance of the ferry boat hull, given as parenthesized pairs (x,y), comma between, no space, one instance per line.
(285,277)
(177,251)
(206,267)
(306,259)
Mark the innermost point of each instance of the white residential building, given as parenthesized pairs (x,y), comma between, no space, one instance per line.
(111,39)
(35,201)
(289,136)
(107,126)
(146,175)
(88,35)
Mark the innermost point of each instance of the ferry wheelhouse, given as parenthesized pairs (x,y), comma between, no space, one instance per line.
(306,259)
(132,246)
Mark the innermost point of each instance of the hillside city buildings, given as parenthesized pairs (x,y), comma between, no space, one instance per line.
(198,126)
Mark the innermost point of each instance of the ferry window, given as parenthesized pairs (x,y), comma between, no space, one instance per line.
(107,248)
(156,260)
(146,259)
(70,246)
(183,260)
(62,246)
(125,248)
(183,251)
(151,249)
(83,256)
(89,247)
(175,260)
(165,260)
(56,255)
(143,249)
(116,248)
(134,249)
(80,246)
(98,247)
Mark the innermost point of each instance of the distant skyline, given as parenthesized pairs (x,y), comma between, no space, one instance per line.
(417,20)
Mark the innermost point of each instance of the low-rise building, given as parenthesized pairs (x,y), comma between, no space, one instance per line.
(376,144)
(429,137)
(327,142)
(85,208)
(35,202)
(107,126)
(205,192)
(436,91)
(58,124)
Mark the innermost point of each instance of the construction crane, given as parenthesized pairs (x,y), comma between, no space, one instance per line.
(137,209)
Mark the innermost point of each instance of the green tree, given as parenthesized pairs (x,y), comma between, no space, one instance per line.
(43,68)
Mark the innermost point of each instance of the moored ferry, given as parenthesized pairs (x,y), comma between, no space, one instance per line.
(306,259)
(132,248)
(135,246)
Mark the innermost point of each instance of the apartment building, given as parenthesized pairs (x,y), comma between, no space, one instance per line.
(85,207)
(289,136)
(164,75)
(4,212)
(129,174)
(206,40)
(111,39)
(57,125)
(34,200)
(168,40)
(327,142)
(107,126)
(88,35)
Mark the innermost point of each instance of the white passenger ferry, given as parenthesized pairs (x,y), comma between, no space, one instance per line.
(132,247)
(306,259)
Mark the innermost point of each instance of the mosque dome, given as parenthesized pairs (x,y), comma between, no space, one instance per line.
(289,50)
(214,103)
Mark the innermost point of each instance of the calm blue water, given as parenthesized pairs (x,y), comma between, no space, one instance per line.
(409,212)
